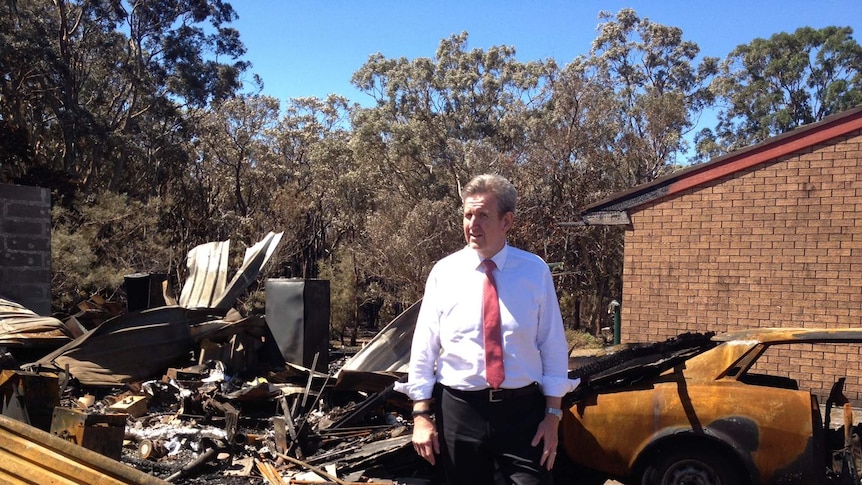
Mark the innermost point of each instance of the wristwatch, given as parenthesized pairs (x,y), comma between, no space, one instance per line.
(422,412)
(556,412)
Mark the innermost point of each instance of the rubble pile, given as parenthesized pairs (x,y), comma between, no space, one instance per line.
(201,423)
(198,422)
(193,392)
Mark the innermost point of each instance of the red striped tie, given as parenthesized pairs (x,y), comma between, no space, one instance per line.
(493,333)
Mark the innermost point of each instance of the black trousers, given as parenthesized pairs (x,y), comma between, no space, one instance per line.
(490,442)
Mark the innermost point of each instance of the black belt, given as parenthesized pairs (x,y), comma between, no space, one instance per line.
(497,395)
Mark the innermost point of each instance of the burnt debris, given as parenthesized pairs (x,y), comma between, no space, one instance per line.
(192,392)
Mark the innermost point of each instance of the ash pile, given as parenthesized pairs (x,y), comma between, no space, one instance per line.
(187,390)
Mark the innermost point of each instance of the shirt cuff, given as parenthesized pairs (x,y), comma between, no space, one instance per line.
(413,391)
(559,386)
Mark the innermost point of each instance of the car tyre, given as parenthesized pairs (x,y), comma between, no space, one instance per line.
(693,466)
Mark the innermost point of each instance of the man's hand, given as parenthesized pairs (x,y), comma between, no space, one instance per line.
(425,440)
(548,435)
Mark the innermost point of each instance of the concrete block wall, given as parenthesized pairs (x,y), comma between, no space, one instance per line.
(25,246)
(777,245)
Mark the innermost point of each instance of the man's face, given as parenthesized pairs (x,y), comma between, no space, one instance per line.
(484,227)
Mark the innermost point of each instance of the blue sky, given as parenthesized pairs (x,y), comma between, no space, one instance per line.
(312,48)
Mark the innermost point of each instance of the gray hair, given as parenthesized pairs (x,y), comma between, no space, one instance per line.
(497,185)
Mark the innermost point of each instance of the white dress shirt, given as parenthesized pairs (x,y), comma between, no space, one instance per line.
(448,342)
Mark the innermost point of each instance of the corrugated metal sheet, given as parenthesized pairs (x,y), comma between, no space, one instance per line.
(207,265)
(141,345)
(389,350)
(21,327)
(205,286)
(255,257)
(131,347)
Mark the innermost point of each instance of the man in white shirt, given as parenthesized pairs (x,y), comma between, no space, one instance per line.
(489,434)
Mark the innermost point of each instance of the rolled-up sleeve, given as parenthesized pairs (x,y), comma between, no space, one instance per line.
(553,345)
(425,348)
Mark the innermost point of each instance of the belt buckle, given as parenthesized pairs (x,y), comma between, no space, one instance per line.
(492,395)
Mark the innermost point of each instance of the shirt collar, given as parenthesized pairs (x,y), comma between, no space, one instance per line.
(499,259)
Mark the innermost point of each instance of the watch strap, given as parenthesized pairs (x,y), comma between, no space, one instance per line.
(556,412)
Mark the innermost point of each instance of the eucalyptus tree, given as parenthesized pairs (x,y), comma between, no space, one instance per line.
(98,99)
(435,123)
(182,56)
(572,154)
(101,90)
(661,87)
(319,195)
(771,86)
(233,167)
(616,118)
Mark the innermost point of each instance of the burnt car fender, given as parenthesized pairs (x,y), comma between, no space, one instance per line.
(716,439)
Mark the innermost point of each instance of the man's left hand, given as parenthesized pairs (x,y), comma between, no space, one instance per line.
(548,435)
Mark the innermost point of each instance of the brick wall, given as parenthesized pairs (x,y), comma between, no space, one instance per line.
(778,245)
(25,246)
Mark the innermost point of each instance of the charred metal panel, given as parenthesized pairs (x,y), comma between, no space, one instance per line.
(205,286)
(607,218)
(29,397)
(297,313)
(389,350)
(386,357)
(102,433)
(130,347)
(145,290)
(22,327)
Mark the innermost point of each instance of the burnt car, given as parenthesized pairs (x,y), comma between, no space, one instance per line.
(714,409)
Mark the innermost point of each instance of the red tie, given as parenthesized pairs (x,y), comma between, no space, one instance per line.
(491,324)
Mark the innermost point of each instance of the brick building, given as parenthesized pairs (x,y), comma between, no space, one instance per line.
(767,236)
(25,246)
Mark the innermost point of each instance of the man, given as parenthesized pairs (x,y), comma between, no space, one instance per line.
(496,424)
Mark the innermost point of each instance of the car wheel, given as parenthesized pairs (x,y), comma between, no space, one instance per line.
(693,467)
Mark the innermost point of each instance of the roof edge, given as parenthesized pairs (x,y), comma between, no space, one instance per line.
(803,137)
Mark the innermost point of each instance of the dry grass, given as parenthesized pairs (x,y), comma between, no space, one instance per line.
(579,339)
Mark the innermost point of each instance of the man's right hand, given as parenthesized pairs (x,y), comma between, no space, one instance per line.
(425,440)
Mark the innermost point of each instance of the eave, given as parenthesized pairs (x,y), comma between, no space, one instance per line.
(614,209)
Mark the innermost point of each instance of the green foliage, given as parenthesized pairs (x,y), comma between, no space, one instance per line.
(579,339)
(659,86)
(342,296)
(102,91)
(105,238)
(253,302)
(72,261)
(437,123)
(771,86)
